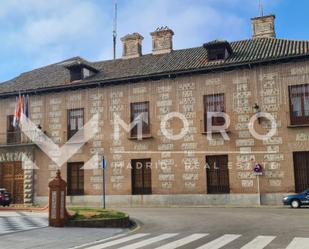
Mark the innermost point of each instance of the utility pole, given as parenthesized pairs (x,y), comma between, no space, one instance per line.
(115,30)
(103,183)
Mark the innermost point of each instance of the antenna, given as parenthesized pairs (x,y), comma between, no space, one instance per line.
(115,29)
(261,8)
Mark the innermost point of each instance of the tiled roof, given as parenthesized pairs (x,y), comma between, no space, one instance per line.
(184,60)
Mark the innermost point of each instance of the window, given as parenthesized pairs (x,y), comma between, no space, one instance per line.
(140,115)
(76,73)
(214,103)
(75,179)
(80,72)
(218,50)
(13,133)
(299,104)
(216,54)
(75,121)
(217,174)
(141,177)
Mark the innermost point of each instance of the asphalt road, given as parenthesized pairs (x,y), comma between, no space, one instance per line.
(208,228)
(282,225)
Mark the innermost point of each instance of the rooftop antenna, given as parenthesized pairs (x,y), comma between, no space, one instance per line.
(115,29)
(261,8)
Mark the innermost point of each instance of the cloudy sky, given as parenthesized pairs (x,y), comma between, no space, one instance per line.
(35,33)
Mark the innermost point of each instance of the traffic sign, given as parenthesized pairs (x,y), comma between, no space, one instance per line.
(258,168)
(104,163)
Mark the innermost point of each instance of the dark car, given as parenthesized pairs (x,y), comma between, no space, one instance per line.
(297,200)
(5,197)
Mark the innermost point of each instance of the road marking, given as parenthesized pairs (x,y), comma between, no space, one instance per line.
(220,242)
(143,240)
(4,226)
(119,241)
(259,242)
(183,241)
(20,223)
(149,241)
(40,221)
(299,243)
(97,241)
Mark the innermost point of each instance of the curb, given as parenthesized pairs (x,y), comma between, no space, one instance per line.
(25,209)
(136,225)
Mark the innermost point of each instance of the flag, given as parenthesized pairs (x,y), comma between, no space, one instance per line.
(15,114)
(18,110)
(27,107)
(22,107)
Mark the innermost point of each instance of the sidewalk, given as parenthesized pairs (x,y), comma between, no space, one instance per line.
(60,238)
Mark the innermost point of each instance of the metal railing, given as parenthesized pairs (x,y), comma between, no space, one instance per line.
(14,138)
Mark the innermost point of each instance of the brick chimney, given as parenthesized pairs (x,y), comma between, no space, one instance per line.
(132,45)
(264,26)
(162,40)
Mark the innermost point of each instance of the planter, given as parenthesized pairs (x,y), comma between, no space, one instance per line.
(101,222)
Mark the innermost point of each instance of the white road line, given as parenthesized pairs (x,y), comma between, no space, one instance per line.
(259,242)
(299,243)
(3,226)
(149,241)
(20,222)
(183,241)
(119,241)
(39,221)
(97,241)
(220,242)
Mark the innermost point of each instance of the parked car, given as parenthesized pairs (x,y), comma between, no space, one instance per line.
(297,200)
(5,197)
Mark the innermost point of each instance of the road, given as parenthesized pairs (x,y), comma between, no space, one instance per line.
(167,228)
(213,228)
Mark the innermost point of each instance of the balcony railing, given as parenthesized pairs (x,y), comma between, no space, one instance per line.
(14,138)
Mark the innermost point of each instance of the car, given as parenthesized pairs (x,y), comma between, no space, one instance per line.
(5,197)
(297,200)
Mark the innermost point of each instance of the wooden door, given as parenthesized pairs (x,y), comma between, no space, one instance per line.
(301,171)
(12,178)
(217,174)
(141,177)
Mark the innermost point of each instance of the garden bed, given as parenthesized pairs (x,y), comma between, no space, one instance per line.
(96,217)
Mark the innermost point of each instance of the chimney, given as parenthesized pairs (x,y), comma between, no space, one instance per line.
(162,40)
(132,45)
(264,26)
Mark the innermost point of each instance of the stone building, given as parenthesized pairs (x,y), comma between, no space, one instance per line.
(243,79)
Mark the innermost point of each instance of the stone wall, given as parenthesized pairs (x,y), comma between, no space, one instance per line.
(179,166)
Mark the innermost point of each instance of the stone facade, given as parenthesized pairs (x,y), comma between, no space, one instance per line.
(178,167)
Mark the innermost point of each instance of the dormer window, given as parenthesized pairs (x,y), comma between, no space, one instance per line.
(218,50)
(80,72)
(79,69)
(76,73)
